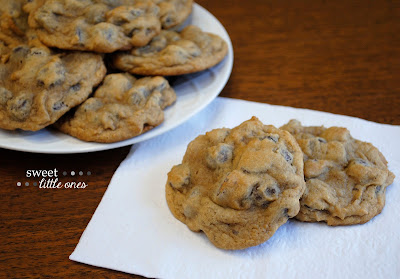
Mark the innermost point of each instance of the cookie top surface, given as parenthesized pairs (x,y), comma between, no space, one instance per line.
(13,20)
(173,53)
(94,25)
(14,29)
(173,12)
(121,108)
(238,185)
(37,86)
(346,178)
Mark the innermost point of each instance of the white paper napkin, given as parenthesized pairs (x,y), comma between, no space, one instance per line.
(133,230)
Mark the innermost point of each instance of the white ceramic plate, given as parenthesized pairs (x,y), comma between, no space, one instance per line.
(194,92)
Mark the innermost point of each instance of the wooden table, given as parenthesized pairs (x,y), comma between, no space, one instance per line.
(336,56)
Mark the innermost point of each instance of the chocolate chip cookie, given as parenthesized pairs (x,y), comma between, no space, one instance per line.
(238,185)
(121,108)
(173,53)
(173,12)
(38,86)
(13,20)
(94,25)
(14,29)
(346,178)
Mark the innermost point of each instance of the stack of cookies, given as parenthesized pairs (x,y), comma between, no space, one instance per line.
(72,64)
(240,185)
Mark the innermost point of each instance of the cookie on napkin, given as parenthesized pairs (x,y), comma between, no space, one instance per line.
(346,178)
(238,185)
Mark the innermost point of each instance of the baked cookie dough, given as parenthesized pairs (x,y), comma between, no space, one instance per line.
(13,21)
(37,86)
(173,12)
(5,47)
(94,25)
(121,108)
(14,29)
(173,53)
(346,178)
(238,185)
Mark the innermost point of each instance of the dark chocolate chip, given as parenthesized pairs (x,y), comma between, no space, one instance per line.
(119,22)
(287,155)
(223,155)
(286,212)
(136,98)
(270,191)
(254,193)
(362,162)
(18,49)
(55,83)
(133,32)
(109,35)
(221,193)
(37,52)
(56,14)
(162,86)
(76,87)
(20,107)
(136,12)
(219,155)
(168,21)
(274,139)
(265,204)
(5,95)
(24,102)
(79,34)
(59,105)
(145,49)
(148,31)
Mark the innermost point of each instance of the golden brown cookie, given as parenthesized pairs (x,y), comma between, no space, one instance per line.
(172,53)
(94,25)
(37,86)
(13,20)
(238,185)
(121,108)
(173,12)
(13,23)
(346,178)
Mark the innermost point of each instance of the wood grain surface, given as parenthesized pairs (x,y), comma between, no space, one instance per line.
(337,56)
